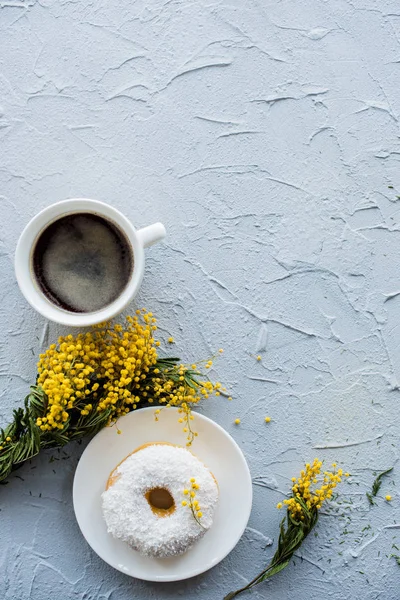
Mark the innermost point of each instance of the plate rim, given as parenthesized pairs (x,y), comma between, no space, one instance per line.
(195,571)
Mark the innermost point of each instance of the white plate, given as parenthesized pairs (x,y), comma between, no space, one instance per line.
(214,446)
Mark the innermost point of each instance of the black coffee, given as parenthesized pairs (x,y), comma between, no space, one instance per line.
(82,262)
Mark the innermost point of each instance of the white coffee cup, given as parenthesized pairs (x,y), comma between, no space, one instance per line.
(138,239)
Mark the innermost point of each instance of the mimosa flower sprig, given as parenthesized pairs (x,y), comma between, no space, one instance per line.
(87,381)
(190,501)
(308,495)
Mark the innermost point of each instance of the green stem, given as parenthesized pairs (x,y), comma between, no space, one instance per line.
(290,539)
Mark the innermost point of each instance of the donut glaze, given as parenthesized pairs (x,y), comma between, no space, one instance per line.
(159,470)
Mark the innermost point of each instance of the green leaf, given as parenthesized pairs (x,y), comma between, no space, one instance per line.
(37,401)
(167,362)
(192,383)
(396,557)
(370,499)
(275,570)
(231,595)
(376,486)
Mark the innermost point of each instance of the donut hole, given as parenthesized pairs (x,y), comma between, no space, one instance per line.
(160,500)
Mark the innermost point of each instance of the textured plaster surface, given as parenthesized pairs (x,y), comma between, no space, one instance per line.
(265,135)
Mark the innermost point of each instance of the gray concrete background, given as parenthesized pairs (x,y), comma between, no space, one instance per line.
(264,134)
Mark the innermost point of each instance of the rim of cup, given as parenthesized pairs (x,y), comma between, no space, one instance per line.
(24,269)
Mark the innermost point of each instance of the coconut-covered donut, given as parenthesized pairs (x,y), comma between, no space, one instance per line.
(160,500)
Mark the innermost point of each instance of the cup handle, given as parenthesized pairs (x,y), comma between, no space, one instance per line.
(151,234)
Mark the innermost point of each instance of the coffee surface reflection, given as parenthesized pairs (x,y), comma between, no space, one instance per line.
(82,262)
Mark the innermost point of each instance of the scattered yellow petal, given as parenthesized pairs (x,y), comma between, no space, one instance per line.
(267,419)
(388,498)
(170,340)
(259,357)
(237,421)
